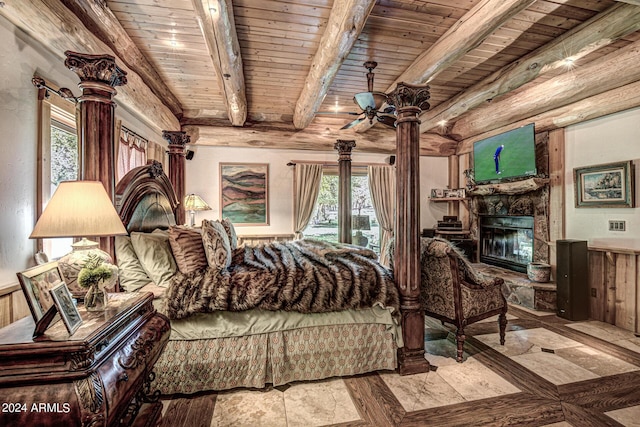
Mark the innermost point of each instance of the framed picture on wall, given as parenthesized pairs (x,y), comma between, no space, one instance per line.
(244,193)
(607,185)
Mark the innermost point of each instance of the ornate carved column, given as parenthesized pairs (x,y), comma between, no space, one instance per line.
(99,75)
(409,100)
(344,148)
(177,141)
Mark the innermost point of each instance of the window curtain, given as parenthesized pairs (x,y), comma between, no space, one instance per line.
(306,186)
(382,185)
(156,152)
(132,152)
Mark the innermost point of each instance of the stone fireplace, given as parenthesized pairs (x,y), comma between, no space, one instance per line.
(506,241)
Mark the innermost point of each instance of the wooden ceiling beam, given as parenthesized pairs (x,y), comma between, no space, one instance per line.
(603,29)
(608,72)
(345,24)
(614,101)
(58,29)
(219,30)
(101,21)
(320,135)
(465,35)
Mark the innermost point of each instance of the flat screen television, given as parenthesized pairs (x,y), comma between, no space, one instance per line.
(510,154)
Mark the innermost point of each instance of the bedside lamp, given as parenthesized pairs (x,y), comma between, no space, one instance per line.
(79,209)
(193,203)
(358,223)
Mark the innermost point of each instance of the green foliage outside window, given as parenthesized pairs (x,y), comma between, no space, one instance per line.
(64,156)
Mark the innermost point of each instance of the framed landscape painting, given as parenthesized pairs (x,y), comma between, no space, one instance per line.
(606,185)
(244,193)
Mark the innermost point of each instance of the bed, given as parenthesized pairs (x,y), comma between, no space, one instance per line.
(259,343)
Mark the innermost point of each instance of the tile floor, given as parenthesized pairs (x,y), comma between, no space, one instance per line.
(543,358)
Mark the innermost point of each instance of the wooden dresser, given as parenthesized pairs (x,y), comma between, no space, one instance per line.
(100,376)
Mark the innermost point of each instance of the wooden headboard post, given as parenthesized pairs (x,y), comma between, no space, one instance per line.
(177,141)
(409,101)
(98,74)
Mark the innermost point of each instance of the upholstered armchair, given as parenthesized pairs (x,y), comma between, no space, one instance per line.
(453,292)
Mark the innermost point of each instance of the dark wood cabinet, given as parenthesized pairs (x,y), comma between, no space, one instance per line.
(100,376)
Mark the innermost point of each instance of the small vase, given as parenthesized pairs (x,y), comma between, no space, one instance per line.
(95,299)
(539,272)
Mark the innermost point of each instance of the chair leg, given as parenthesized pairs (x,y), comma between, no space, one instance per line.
(460,337)
(502,320)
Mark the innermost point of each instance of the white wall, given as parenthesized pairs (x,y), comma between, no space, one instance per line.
(203,178)
(20,59)
(608,139)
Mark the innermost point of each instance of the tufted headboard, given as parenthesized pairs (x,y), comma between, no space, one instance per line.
(145,199)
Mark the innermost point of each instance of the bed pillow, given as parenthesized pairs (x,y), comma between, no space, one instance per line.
(154,252)
(216,245)
(231,233)
(131,274)
(188,249)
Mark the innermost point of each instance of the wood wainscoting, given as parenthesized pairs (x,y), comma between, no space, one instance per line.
(614,281)
(13,305)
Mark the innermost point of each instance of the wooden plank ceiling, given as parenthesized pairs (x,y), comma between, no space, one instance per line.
(255,72)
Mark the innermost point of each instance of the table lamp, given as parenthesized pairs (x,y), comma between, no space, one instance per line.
(79,209)
(193,203)
(359,223)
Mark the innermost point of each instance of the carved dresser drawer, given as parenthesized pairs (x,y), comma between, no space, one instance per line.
(100,376)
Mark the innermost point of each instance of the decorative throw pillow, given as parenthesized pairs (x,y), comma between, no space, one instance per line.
(216,245)
(154,253)
(132,276)
(231,233)
(188,250)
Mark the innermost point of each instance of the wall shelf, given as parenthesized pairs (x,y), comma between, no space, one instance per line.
(447,199)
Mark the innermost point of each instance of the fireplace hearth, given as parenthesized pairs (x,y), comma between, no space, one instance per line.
(507,241)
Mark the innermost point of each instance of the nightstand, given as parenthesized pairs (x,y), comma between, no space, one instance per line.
(100,376)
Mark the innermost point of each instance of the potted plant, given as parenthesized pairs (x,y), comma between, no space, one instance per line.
(92,277)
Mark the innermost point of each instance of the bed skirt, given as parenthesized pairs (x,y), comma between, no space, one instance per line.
(311,353)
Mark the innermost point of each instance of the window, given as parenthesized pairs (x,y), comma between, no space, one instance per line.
(58,159)
(324,220)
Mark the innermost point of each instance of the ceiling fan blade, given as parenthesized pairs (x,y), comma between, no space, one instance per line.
(353,123)
(388,120)
(391,109)
(338,113)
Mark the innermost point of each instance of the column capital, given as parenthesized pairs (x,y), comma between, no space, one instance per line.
(408,95)
(344,147)
(96,68)
(176,137)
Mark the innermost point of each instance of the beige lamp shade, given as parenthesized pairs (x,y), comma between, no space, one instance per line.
(193,202)
(79,209)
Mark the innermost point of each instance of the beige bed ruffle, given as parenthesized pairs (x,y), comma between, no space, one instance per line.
(190,366)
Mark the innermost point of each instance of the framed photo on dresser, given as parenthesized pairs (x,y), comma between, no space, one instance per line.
(67,309)
(36,284)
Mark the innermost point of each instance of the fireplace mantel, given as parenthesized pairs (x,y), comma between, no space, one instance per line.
(516,187)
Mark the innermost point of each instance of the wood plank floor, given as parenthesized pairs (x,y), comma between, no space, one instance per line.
(540,402)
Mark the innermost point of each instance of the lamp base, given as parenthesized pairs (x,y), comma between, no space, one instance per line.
(71,264)
(360,239)
(84,244)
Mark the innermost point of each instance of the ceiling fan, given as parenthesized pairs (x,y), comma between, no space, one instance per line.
(371,102)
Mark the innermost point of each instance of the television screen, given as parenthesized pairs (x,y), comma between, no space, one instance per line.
(507,155)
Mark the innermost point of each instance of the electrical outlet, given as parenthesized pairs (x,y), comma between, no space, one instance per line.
(594,292)
(617,225)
